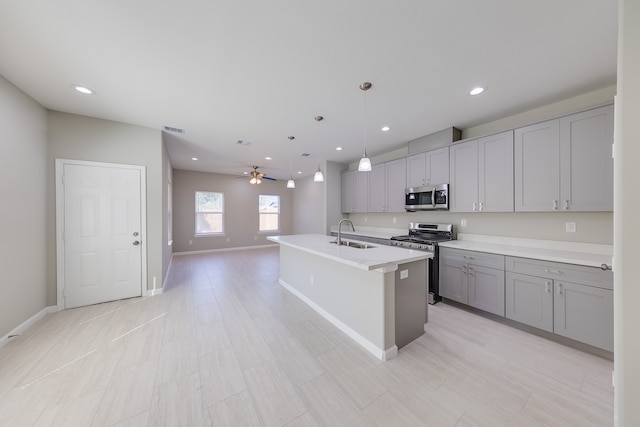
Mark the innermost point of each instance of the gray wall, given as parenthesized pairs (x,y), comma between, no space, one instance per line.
(167,247)
(591,227)
(23,233)
(317,205)
(627,227)
(241,210)
(84,138)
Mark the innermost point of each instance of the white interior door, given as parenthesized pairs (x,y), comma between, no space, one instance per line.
(102,233)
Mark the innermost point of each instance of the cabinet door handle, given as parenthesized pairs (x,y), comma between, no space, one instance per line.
(559,288)
(552,271)
(606,267)
(566,204)
(481,206)
(547,287)
(474,206)
(555,205)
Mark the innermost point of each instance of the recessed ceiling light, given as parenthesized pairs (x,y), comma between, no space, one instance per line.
(84,89)
(245,172)
(194,158)
(477,90)
(299,172)
(385,129)
(267,158)
(338,148)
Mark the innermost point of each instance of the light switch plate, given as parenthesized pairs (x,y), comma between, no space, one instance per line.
(404,274)
(570,227)
(463,223)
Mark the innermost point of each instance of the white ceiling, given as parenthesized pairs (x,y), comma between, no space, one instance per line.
(259,71)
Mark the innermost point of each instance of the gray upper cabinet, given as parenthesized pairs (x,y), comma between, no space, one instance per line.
(377,193)
(537,167)
(586,164)
(565,164)
(361,191)
(348,188)
(430,168)
(481,173)
(355,191)
(387,182)
(396,183)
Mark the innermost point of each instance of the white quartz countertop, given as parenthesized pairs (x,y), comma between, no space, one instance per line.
(378,233)
(377,257)
(563,255)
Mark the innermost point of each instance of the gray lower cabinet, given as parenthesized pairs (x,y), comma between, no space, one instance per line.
(529,300)
(473,278)
(569,300)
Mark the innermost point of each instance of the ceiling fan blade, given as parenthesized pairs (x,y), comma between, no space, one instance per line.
(269,178)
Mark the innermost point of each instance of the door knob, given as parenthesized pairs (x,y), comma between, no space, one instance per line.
(136,242)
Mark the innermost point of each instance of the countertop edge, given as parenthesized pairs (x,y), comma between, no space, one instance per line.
(542,254)
(384,266)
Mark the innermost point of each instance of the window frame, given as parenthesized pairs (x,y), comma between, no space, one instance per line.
(277,214)
(197,212)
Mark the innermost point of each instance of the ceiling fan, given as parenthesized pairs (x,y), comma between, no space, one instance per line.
(256,177)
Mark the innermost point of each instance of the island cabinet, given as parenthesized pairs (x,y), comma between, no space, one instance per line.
(429,168)
(565,164)
(569,300)
(387,182)
(473,278)
(355,191)
(481,172)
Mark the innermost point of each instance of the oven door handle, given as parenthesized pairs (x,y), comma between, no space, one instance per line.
(433,197)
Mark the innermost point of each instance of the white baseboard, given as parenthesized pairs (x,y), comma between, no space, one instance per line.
(240,248)
(365,343)
(27,323)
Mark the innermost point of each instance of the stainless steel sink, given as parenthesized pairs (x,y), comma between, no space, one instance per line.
(357,245)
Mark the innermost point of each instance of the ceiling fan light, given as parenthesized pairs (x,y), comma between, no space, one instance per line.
(291,183)
(318,177)
(365,164)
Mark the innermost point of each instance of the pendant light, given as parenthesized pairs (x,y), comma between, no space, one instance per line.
(291,183)
(318,177)
(365,163)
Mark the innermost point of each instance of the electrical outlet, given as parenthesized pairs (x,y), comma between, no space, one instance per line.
(463,223)
(570,227)
(365,219)
(191,242)
(395,220)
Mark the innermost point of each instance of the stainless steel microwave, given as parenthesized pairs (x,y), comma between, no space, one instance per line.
(432,197)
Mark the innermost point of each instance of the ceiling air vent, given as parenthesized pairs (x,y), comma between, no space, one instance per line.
(305,154)
(243,142)
(172,129)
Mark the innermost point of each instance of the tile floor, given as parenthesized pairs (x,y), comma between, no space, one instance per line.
(225,345)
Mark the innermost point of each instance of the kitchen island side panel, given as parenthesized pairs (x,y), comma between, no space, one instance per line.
(360,299)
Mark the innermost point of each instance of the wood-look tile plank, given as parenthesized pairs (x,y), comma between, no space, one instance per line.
(128,394)
(328,404)
(220,376)
(237,411)
(274,397)
(177,403)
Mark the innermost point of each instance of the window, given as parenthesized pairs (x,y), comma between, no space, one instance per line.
(209,213)
(269,210)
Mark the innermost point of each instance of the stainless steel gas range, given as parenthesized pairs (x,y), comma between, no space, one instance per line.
(425,237)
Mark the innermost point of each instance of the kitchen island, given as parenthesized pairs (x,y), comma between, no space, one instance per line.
(376,295)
